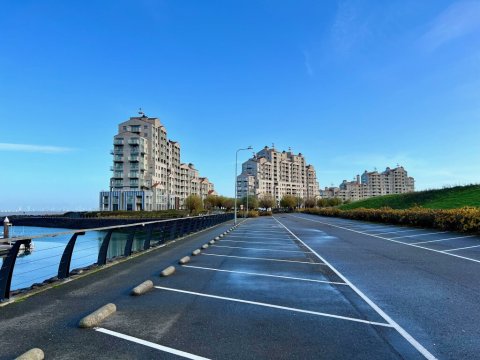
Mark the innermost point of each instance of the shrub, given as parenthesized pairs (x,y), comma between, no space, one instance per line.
(265,213)
(465,219)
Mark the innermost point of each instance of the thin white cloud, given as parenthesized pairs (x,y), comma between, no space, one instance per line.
(459,19)
(46,149)
(308,65)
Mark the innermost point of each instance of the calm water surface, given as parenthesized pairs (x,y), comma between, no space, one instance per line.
(42,263)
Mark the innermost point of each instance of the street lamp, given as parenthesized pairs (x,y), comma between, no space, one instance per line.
(245,215)
(236,195)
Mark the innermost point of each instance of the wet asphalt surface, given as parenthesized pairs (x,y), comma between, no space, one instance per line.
(260,293)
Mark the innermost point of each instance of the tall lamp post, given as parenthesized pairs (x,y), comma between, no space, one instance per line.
(245,215)
(236,194)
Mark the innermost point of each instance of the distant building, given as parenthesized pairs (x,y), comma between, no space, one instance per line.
(147,172)
(373,183)
(275,173)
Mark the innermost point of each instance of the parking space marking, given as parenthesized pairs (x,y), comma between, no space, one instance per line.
(267,275)
(257,237)
(463,248)
(452,238)
(310,312)
(151,344)
(260,249)
(395,232)
(415,235)
(261,258)
(392,240)
(374,306)
(260,242)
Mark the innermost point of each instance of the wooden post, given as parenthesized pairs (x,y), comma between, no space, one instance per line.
(6,228)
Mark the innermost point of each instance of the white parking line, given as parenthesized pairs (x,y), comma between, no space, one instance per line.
(415,235)
(388,239)
(462,248)
(258,237)
(275,306)
(260,249)
(396,232)
(151,344)
(267,275)
(261,258)
(387,318)
(261,242)
(452,238)
(260,231)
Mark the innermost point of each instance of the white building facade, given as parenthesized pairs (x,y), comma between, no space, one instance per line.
(275,173)
(373,183)
(147,171)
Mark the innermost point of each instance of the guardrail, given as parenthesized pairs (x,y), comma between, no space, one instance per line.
(154,233)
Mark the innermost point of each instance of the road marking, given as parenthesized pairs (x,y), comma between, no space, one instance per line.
(462,248)
(395,232)
(415,235)
(260,249)
(151,344)
(388,239)
(261,231)
(387,318)
(310,312)
(260,258)
(453,238)
(258,237)
(260,242)
(267,275)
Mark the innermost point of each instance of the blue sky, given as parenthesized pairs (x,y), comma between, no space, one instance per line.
(353,85)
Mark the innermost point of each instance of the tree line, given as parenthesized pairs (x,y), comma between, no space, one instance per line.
(195,205)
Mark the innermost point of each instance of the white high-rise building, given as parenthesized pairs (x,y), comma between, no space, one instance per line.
(275,173)
(373,183)
(147,171)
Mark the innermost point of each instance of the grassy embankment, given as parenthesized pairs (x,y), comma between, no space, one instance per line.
(455,209)
(448,198)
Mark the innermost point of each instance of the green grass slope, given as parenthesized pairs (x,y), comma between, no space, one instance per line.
(448,198)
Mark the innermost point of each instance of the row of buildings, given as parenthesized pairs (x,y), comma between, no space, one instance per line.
(147,174)
(274,173)
(147,171)
(372,183)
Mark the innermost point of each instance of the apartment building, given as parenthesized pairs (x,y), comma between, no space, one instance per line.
(147,171)
(275,173)
(373,183)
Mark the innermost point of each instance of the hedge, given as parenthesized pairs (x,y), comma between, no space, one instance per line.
(465,219)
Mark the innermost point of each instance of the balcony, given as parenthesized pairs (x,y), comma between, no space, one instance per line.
(134,158)
(134,141)
(116,152)
(118,158)
(134,174)
(118,142)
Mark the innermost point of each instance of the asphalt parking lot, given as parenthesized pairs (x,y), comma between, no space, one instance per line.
(260,293)
(425,279)
(291,286)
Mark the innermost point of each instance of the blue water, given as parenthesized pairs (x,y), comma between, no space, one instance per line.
(42,263)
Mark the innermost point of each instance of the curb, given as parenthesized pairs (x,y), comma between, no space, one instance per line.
(184,260)
(142,288)
(168,271)
(32,354)
(95,318)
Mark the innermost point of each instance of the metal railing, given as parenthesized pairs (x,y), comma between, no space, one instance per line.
(154,233)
